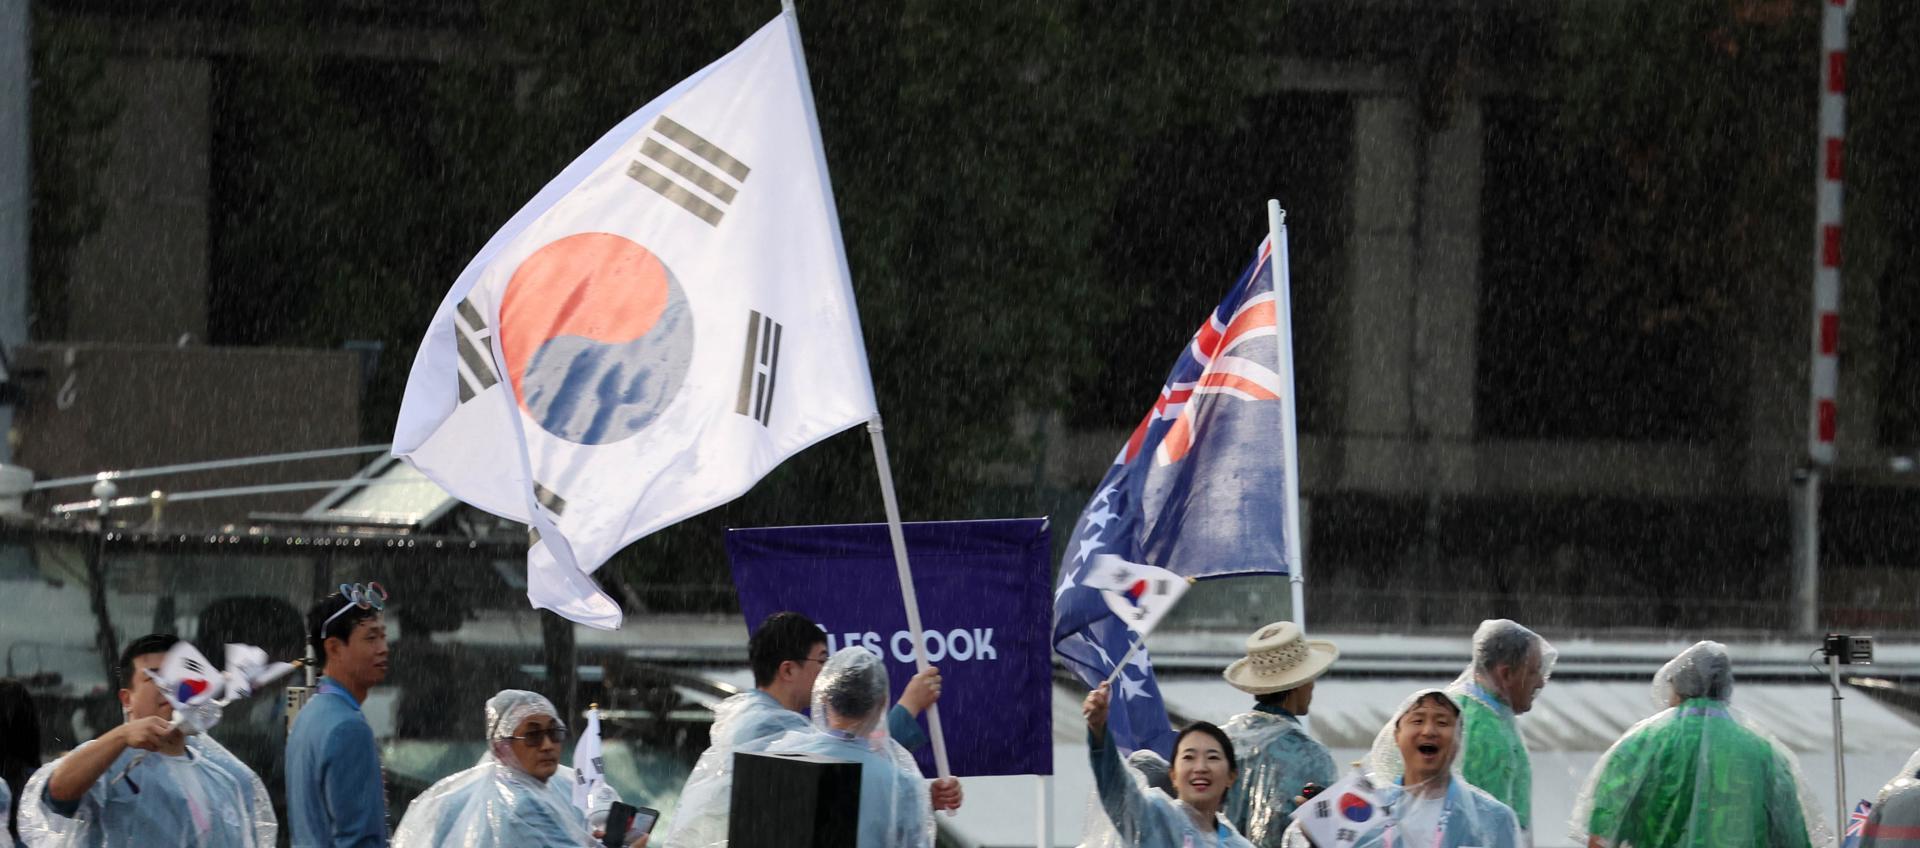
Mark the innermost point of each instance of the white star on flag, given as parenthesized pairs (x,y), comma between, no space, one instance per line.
(1087,546)
(1141,662)
(1106,496)
(1131,688)
(1101,517)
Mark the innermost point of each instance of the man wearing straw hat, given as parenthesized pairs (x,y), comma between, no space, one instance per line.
(1277,757)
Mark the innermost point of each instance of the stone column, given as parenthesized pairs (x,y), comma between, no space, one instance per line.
(143,276)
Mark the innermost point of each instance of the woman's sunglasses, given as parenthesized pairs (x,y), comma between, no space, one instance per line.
(536,738)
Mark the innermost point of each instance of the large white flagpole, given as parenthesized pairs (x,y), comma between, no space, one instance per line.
(906,585)
(874,428)
(1289,420)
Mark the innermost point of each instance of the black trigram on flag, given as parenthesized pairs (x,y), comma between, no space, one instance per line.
(553,502)
(688,170)
(474,339)
(759,368)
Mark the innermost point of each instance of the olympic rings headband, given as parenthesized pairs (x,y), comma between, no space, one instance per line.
(368,595)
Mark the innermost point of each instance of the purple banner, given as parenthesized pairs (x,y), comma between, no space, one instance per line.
(985,602)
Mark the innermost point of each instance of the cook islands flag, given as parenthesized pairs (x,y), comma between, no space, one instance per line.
(666,321)
(1199,490)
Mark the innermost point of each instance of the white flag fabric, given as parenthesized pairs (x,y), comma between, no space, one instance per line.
(1139,595)
(587,764)
(192,687)
(666,321)
(1343,814)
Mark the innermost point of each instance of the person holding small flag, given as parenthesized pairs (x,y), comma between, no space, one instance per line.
(1414,768)
(1697,774)
(1511,664)
(1277,757)
(148,781)
(517,796)
(1203,769)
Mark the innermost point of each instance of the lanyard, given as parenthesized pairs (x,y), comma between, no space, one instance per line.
(1439,828)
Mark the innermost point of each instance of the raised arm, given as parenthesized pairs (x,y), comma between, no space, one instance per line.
(1126,805)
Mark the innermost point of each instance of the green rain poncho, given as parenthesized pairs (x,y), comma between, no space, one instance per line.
(1697,774)
(1492,754)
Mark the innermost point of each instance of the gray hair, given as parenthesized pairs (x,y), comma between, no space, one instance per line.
(1702,671)
(1502,642)
(853,686)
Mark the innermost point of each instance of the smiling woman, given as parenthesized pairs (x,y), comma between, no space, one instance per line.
(1203,769)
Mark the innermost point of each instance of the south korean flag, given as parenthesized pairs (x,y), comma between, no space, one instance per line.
(1139,595)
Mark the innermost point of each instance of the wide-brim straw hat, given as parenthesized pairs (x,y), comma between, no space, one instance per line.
(1278,659)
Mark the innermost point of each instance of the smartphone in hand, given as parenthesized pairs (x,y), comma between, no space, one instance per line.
(625,821)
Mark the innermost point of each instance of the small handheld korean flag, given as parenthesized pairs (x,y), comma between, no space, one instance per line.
(666,321)
(587,764)
(1139,595)
(1342,813)
(192,687)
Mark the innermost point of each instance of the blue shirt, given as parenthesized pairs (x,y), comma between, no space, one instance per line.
(336,797)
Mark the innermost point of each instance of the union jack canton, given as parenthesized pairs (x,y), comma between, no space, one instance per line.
(1198,489)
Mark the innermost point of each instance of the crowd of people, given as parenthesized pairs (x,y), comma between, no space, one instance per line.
(150,782)
(1450,768)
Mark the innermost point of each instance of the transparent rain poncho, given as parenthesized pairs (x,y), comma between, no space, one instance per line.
(1907,777)
(496,804)
(1697,773)
(1150,771)
(747,722)
(205,798)
(1277,758)
(850,723)
(1444,811)
(1896,810)
(1133,813)
(1493,754)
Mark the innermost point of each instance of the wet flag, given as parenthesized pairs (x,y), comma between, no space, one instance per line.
(666,321)
(1198,490)
(983,600)
(1342,814)
(588,767)
(1857,824)
(1140,595)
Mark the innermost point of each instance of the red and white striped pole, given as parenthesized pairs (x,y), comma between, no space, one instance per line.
(1823,416)
(1823,373)
(1824,377)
